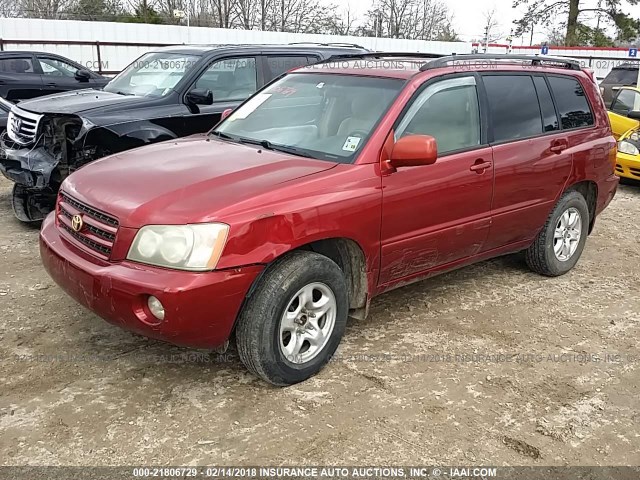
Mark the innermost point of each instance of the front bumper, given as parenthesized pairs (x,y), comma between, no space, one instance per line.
(28,166)
(628,166)
(200,308)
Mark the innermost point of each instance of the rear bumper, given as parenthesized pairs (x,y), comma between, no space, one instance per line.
(200,308)
(606,191)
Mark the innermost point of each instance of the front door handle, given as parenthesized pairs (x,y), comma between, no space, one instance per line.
(480,166)
(559,146)
(52,84)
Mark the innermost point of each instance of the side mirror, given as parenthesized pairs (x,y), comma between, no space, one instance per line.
(635,114)
(200,96)
(413,151)
(82,76)
(226,113)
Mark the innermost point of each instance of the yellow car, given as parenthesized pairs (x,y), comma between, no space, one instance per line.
(624,116)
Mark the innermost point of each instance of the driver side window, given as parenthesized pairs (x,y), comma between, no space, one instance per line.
(448,111)
(55,67)
(626,101)
(229,79)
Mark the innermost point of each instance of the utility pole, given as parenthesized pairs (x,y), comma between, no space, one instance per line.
(531,39)
(486,39)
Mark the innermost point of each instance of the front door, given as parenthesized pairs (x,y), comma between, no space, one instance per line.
(434,215)
(231,81)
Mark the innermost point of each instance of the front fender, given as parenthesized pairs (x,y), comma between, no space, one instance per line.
(124,136)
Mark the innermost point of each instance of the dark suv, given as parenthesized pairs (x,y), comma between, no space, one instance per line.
(623,75)
(165,94)
(25,75)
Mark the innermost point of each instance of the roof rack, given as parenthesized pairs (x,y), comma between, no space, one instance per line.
(534,59)
(380,55)
(329,44)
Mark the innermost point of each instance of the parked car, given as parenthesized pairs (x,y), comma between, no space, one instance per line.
(331,186)
(25,75)
(625,74)
(169,93)
(625,123)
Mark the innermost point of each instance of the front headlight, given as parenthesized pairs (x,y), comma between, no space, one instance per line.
(628,148)
(196,246)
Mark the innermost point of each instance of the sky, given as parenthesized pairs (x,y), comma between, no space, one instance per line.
(468,17)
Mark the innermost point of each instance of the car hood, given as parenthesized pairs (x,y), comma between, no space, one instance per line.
(189,180)
(81,101)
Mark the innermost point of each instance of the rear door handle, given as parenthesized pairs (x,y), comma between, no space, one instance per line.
(559,146)
(480,166)
(52,84)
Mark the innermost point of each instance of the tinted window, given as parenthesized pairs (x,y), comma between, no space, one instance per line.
(571,101)
(57,68)
(621,76)
(16,65)
(626,101)
(514,108)
(276,66)
(549,117)
(448,111)
(230,79)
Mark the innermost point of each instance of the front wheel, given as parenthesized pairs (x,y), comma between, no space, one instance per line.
(559,244)
(294,320)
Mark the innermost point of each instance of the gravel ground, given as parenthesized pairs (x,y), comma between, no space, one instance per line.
(490,364)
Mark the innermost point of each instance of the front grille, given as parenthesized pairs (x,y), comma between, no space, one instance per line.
(97,231)
(619,168)
(635,171)
(22,126)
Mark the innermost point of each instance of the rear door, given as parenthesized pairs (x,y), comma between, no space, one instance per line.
(20,77)
(434,215)
(534,141)
(276,64)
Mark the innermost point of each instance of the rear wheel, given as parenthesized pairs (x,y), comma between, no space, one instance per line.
(560,243)
(294,320)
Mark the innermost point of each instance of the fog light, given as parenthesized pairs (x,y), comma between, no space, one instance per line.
(156,307)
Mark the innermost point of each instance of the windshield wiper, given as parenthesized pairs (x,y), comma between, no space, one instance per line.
(224,136)
(267,145)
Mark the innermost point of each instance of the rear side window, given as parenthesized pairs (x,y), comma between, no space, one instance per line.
(16,65)
(549,117)
(572,103)
(277,65)
(514,108)
(621,76)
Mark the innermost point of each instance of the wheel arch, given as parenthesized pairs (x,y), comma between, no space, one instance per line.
(589,190)
(350,257)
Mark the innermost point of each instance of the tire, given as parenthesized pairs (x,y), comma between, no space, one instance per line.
(263,334)
(552,256)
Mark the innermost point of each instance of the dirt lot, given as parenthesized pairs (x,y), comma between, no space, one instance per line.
(491,364)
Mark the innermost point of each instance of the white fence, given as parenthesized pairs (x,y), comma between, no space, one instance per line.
(110,46)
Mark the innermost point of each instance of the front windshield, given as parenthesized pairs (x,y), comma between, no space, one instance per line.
(325,116)
(153,74)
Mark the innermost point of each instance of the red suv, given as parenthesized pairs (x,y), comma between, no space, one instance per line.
(331,185)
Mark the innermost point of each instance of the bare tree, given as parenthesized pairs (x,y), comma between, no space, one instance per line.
(412,19)
(491,25)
